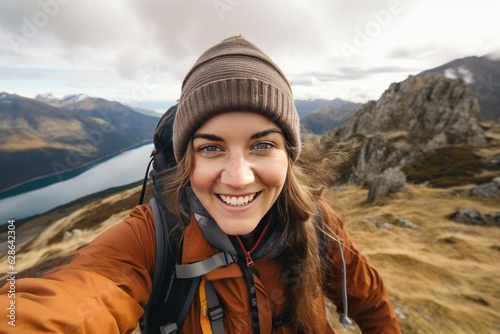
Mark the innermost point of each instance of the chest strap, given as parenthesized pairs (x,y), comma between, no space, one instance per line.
(201,268)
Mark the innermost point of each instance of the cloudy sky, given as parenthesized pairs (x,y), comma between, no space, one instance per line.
(138,51)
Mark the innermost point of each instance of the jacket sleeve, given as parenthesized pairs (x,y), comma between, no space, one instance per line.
(102,290)
(368,301)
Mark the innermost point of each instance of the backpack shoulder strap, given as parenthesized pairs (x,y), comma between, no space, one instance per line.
(211,320)
(160,246)
(171,296)
(163,313)
(162,279)
(175,285)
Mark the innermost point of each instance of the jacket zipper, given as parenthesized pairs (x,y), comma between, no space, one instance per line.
(248,254)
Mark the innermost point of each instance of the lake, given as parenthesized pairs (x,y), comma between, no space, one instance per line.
(124,168)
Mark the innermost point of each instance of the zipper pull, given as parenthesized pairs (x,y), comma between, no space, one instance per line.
(249,260)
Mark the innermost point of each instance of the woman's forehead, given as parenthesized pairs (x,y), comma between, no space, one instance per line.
(238,119)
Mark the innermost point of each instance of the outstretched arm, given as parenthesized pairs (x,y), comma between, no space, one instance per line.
(102,290)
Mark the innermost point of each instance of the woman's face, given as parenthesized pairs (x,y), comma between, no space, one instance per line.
(240,167)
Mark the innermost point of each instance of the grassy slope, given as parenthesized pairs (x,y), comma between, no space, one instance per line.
(443,277)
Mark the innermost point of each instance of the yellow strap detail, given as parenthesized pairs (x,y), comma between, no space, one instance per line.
(206,327)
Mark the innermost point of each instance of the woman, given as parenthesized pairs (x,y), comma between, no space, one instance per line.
(237,141)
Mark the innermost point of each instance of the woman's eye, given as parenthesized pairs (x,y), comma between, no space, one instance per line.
(209,148)
(263,146)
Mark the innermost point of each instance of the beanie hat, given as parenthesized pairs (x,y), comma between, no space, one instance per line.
(235,75)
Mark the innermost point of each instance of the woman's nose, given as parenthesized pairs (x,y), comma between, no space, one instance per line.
(237,173)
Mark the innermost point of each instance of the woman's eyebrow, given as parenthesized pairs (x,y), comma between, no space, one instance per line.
(207,136)
(257,135)
(264,133)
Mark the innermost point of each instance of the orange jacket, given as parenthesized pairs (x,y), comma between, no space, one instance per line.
(107,284)
(232,290)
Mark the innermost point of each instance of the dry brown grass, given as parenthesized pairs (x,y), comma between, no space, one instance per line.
(444,277)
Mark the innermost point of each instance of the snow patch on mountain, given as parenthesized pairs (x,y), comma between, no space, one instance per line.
(74,98)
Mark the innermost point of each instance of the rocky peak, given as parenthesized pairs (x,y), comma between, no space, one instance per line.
(425,107)
(411,118)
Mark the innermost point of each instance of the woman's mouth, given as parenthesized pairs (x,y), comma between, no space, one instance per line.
(237,200)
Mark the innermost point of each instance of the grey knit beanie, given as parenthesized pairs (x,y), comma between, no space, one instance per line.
(235,75)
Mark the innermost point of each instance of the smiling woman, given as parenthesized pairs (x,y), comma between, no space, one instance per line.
(238,169)
(236,141)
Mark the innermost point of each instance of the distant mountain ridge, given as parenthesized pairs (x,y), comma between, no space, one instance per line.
(305,107)
(67,100)
(47,135)
(83,101)
(482,75)
(328,118)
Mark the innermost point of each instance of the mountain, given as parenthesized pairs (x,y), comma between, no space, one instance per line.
(429,126)
(482,75)
(49,136)
(425,107)
(83,101)
(328,118)
(148,112)
(304,107)
(68,102)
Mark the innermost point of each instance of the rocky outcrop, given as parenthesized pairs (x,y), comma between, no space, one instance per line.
(426,107)
(74,234)
(412,117)
(486,190)
(471,216)
(391,181)
(402,222)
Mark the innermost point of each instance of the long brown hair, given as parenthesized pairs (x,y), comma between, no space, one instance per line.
(297,207)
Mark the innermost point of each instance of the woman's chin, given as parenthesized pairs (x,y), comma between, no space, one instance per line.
(237,228)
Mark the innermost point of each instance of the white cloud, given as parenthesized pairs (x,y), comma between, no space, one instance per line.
(117,42)
(459,72)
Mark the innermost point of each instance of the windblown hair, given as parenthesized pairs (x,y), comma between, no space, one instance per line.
(297,207)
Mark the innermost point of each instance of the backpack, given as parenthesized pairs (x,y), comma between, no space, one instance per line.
(175,286)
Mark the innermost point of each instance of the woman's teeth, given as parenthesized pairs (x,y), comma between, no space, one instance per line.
(237,201)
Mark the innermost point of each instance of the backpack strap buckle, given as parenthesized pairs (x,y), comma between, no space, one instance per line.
(200,268)
(215,313)
(215,309)
(169,329)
